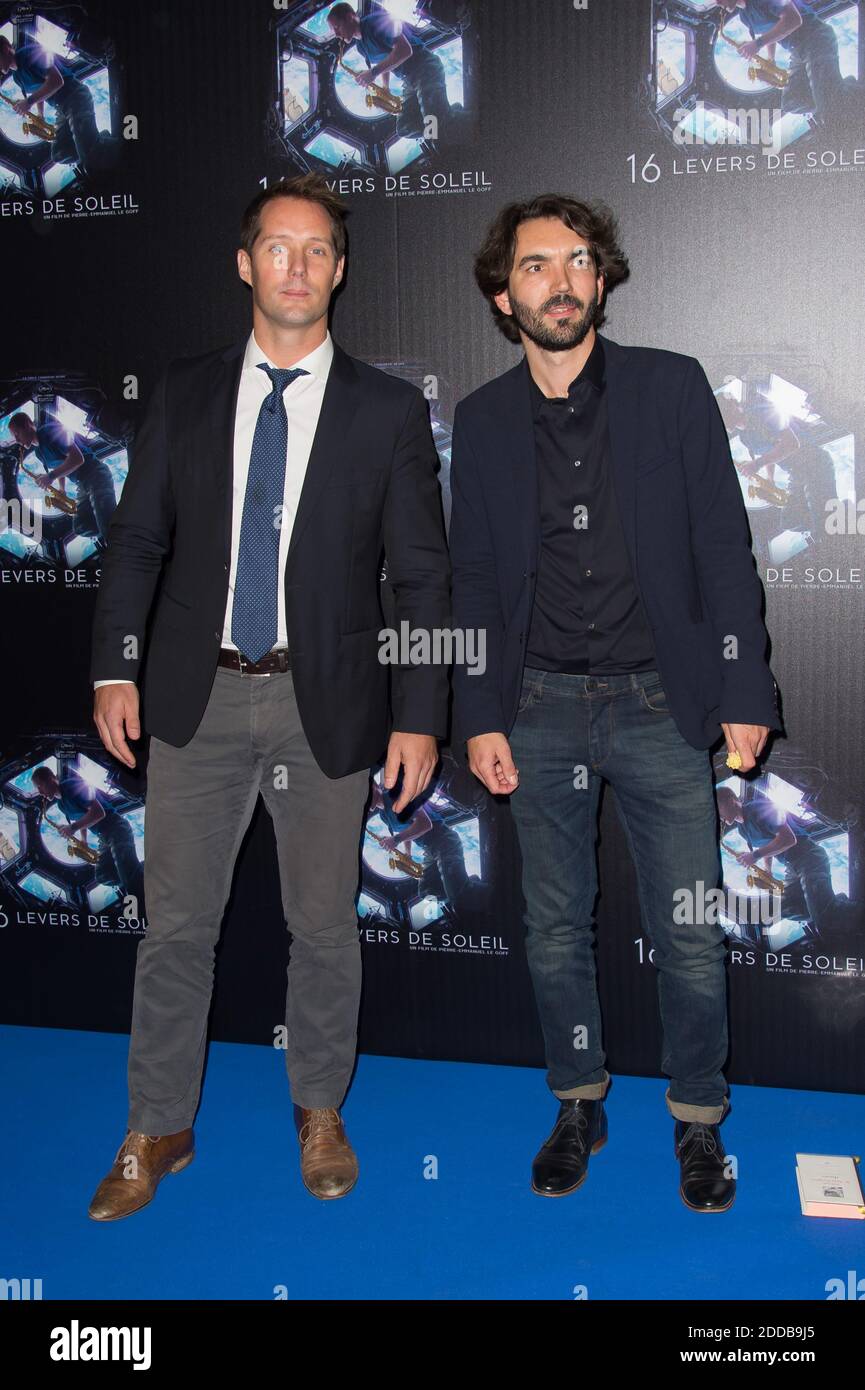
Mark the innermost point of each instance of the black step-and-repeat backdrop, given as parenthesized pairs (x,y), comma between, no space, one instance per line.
(738,181)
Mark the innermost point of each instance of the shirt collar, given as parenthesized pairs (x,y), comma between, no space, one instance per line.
(592,372)
(317,362)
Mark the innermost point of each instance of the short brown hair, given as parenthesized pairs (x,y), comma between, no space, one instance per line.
(312,188)
(595,221)
(342,10)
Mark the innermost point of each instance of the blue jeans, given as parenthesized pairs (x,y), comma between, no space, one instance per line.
(572,733)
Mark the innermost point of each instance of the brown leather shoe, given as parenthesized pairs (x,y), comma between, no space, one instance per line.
(141,1163)
(328,1163)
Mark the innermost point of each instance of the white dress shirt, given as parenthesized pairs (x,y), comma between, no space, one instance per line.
(303,398)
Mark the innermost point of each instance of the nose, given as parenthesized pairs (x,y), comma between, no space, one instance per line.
(560,281)
(296,263)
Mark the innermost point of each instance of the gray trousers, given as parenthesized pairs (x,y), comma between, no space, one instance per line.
(200,799)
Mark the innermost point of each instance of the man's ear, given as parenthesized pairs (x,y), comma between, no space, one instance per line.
(502,301)
(244,267)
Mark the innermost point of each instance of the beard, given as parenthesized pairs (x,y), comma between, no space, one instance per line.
(561,334)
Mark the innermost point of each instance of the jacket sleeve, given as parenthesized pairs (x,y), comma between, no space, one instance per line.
(139,537)
(729,584)
(418,570)
(476,603)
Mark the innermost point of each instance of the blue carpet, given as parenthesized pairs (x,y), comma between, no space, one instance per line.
(238,1223)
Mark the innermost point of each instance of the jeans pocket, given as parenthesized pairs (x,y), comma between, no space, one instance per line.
(530,692)
(654,697)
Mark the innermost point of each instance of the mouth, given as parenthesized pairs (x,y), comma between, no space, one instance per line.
(295,294)
(561,311)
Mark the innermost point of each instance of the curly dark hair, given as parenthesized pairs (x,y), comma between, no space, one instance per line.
(595,221)
(311,187)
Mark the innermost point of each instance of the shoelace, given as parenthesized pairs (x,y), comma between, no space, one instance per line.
(136,1145)
(704,1134)
(322,1122)
(576,1116)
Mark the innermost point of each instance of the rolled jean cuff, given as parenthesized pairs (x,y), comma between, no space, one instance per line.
(596,1090)
(696,1114)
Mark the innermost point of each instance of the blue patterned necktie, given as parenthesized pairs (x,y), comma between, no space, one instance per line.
(254,609)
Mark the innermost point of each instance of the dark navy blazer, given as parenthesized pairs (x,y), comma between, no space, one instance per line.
(685,528)
(370,484)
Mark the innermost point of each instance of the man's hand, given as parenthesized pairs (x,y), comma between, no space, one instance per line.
(417,754)
(748,467)
(490,760)
(747,740)
(115,713)
(750,48)
(747,858)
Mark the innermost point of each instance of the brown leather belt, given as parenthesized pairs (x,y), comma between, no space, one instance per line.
(276,660)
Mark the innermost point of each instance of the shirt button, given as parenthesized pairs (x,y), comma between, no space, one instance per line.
(591,627)
(588,571)
(577,462)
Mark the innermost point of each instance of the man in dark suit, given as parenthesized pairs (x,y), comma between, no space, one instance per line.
(598,536)
(266,482)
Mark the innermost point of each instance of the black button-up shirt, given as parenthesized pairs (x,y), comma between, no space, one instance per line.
(587,616)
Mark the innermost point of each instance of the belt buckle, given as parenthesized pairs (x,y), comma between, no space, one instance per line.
(240,662)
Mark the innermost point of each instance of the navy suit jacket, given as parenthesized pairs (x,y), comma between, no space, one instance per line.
(685,528)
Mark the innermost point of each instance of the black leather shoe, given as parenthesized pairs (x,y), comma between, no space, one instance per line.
(562,1164)
(705,1185)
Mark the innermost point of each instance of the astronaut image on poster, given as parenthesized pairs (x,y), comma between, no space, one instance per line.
(59,113)
(71,839)
(744,86)
(63,463)
(376,96)
(790,847)
(797,469)
(427,870)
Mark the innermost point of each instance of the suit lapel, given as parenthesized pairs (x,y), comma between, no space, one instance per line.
(225,386)
(520,476)
(623,418)
(338,408)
